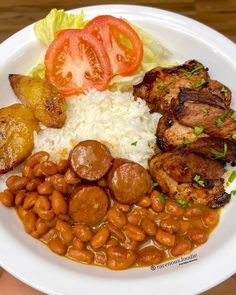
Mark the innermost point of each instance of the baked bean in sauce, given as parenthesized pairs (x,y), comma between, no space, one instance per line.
(99,217)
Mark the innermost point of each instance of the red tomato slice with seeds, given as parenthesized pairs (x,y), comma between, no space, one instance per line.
(76,61)
(122,43)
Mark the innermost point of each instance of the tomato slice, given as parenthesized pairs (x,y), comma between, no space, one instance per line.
(122,43)
(76,61)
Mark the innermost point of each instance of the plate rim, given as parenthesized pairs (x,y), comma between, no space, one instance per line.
(142,9)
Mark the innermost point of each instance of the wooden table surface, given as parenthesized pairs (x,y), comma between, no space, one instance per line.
(218,14)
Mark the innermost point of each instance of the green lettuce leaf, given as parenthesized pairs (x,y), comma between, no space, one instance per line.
(155,54)
(38,71)
(57,20)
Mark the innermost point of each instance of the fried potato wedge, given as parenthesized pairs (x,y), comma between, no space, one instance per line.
(44,99)
(17,126)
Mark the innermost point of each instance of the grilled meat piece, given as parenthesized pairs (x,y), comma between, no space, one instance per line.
(213,148)
(205,196)
(171,134)
(175,173)
(165,182)
(160,85)
(221,201)
(184,167)
(219,90)
(191,109)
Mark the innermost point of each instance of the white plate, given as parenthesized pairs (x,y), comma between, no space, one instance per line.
(33,263)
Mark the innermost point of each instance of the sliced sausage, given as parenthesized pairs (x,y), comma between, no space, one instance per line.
(88,204)
(90,160)
(129,182)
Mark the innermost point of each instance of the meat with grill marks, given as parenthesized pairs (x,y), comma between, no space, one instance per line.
(213,148)
(176,172)
(171,134)
(192,109)
(160,85)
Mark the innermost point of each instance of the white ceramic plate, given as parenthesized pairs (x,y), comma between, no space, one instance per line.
(33,263)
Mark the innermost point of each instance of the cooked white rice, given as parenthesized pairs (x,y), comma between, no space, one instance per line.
(114,118)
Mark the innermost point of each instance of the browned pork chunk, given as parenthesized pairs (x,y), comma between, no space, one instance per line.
(192,110)
(213,148)
(171,134)
(184,167)
(160,85)
(190,177)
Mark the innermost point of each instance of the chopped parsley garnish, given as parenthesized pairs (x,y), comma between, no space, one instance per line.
(234,116)
(232,177)
(150,145)
(225,170)
(198,130)
(134,143)
(198,180)
(181,202)
(186,141)
(174,78)
(233,192)
(162,198)
(234,135)
(163,86)
(184,144)
(154,184)
(217,154)
(190,73)
(203,110)
(219,121)
(198,83)
(224,90)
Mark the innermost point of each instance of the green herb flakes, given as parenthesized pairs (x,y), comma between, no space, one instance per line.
(234,116)
(174,78)
(224,90)
(234,135)
(181,202)
(233,192)
(198,83)
(162,198)
(150,145)
(154,184)
(198,180)
(163,86)
(203,110)
(134,143)
(232,177)
(219,121)
(186,142)
(190,73)
(217,154)
(198,130)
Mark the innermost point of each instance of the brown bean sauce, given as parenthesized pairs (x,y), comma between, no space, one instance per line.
(152,231)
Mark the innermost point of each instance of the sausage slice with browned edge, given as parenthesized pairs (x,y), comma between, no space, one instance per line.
(90,159)
(128,181)
(88,204)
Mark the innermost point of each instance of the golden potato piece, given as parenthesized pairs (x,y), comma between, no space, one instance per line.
(17,126)
(44,99)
